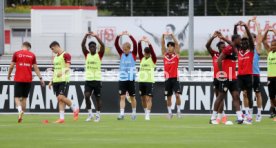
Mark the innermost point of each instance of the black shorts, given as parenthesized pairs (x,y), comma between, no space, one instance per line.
(127,86)
(216,83)
(272,87)
(22,89)
(256,84)
(226,85)
(93,86)
(172,85)
(245,82)
(146,89)
(61,88)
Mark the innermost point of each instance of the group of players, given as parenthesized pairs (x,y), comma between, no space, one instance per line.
(24,60)
(240,48)
(246,50)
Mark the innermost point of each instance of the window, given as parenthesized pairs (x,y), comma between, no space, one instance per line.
(21,32)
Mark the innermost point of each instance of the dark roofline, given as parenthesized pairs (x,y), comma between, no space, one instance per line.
(17,16)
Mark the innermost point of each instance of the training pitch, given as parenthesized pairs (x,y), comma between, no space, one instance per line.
(189,131)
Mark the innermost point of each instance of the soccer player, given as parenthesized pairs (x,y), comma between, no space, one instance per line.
(271,67)
(93,74)
(146,75)
(127,74)
(228,78)
(60,82)
(24,60)
(172,85)
(272,110)
(215,55)
(256,68)
(245,70)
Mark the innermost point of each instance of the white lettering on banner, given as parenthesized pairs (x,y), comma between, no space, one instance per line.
(83,104)
(4,69)
(51,97)
(28,103)
(267,106)
(192,97)
(3,96)
(184,97)
(72,95)
(204,99)
(37,98)
(214,100)
(11,96)
(229,101)
(197,95)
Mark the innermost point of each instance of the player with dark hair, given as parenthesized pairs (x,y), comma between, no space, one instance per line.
(60,82)
(271,67)
(24,60)
(228,78)
(172,84)
(245,70)
(93,75)
(127,74)
(146,75)
(256,68)
(215,55)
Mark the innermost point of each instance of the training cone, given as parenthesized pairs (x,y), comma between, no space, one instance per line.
(45,121)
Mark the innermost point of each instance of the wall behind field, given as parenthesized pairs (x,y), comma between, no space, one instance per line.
(152,27)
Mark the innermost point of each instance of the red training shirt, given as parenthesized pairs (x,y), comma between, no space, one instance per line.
(24,60)
(171,65)
(215,56)
(245,62)
(229,63)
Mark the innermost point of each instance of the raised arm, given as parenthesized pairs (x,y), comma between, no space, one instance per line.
(117,46)
(163,48)
(236,28)
(102,48)
(264,40)
(259,37)
(140,52)
(250,38)
(208,44)
(225,39)
(153,55)
(83,45)
(134,44)
(177,48)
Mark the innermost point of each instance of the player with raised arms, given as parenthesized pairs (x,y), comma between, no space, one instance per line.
(93,75)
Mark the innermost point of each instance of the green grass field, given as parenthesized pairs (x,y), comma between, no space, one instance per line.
(190,131)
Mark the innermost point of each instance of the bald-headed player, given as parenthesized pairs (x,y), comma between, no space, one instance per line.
(24,60)
(127,73)
(93,75)
(271,67)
